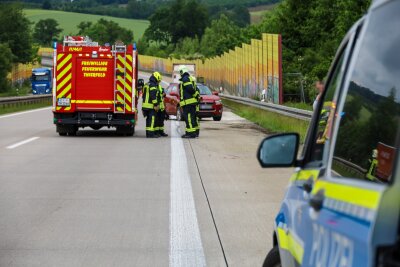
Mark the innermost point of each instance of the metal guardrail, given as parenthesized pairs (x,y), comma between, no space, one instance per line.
(287,111)
(8,102)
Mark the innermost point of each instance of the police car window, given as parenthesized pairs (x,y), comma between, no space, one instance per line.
(368,133)
(326,114)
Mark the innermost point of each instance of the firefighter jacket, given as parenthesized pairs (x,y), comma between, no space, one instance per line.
(188,90)
(160,97)
(150,94)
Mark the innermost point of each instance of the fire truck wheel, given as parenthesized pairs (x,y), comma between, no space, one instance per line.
(125,130)
(62,134)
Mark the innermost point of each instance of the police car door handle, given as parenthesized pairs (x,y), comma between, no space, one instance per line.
(317,200)
(308,185)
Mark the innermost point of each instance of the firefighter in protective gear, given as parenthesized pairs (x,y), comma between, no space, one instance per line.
(373,164)
(188,102)
(160,115)
(197,96)
(150,104)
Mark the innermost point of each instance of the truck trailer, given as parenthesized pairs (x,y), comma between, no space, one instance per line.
(94,86)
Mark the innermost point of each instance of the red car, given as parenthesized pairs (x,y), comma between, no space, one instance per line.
(210,102)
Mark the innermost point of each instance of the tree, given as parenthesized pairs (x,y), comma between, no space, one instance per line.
(179,20)
(6,57)
(46,4)
(106,31)
(15,31)
(45,31)
(221,36)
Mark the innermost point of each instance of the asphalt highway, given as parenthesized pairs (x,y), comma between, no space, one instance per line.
(97,199)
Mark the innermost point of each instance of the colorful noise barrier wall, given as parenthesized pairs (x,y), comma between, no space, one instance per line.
(244,71)
(21,72)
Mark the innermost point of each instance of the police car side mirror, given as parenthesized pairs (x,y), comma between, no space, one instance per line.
(278,150)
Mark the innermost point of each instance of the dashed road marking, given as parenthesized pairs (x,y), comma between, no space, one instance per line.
(22,142)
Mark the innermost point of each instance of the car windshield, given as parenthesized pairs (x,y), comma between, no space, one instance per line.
(40,77)
(204,90)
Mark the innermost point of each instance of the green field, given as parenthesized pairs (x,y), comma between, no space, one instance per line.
(69,20)
(258,12)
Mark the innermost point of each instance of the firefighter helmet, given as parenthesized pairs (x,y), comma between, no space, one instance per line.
(158,76)
(183,69)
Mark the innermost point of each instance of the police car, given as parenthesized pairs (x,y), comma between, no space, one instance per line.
(342,205)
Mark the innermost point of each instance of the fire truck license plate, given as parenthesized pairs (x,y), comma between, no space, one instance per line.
(63,102)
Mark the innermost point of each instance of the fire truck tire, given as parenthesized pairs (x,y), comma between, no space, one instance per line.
(62,134)
(125,130)
(96,127)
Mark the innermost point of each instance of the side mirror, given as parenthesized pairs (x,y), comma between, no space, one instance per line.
(278,150)
(215,93)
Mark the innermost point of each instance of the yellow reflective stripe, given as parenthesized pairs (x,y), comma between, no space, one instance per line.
(119,109)
(60,75)
(67,79)
(129,67)
(65,60)
(353,195)
(127,86)
(129,57)
(148,105)
(129,77)
(59,56)
(190,101)
(122,101)
(304,175)
(187,83)
(92,101)
(64,91)
(289,243)
(121,90)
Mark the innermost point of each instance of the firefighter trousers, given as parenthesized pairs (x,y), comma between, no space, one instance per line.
(150,121)
(189,112)
(198,119)
(160,117)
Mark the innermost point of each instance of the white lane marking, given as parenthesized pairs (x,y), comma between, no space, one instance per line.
(24,112)
(22,142)
(186,248)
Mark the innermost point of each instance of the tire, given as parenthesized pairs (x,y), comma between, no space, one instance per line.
(62,134)
(125,130)
(96,127)
(217,118)
(273,259)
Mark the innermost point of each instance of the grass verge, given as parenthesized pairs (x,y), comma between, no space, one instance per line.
(304,106)
(271,121)
(11,109)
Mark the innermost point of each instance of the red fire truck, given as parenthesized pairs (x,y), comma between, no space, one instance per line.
(94,86)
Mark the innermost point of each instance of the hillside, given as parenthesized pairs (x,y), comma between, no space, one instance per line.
(257,12)
(68,20)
